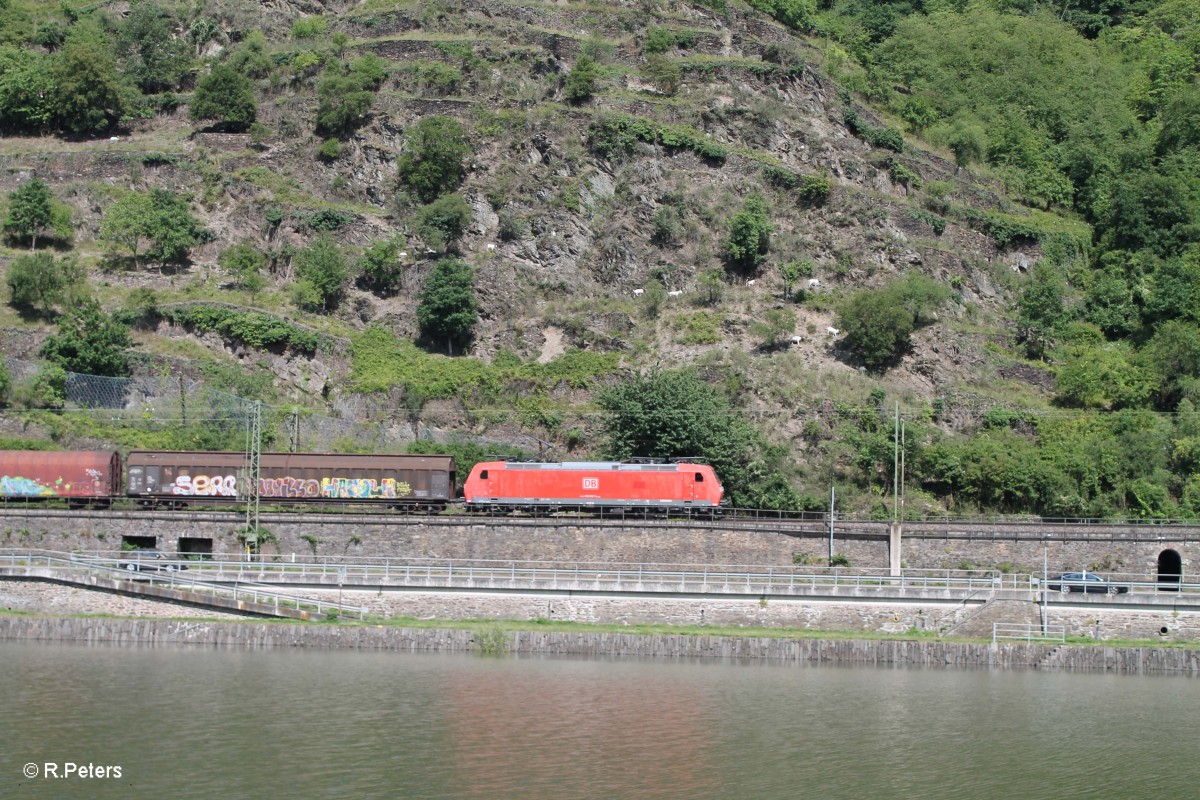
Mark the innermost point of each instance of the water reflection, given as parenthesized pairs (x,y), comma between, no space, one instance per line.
(295,724)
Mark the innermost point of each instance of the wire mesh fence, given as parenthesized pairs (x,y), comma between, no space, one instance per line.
(180,412)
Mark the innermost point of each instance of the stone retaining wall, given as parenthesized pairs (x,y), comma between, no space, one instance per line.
(899,653)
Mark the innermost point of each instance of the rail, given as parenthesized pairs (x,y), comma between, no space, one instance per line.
(173,574)
(1020,631)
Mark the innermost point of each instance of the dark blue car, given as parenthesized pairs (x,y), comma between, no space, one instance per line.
(1085,582)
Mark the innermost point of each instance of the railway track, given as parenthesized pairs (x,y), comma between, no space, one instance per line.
(806,525)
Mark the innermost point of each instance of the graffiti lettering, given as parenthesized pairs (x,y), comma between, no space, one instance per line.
(17,486)
(289,487)
(334,488)
(388,488)
(205,485)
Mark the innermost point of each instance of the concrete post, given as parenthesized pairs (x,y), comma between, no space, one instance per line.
(895,533)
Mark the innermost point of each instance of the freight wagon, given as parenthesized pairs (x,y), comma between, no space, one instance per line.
(594,486)
(80,477)
(408,482)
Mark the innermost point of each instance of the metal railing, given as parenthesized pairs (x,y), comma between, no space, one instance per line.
(173,574)
(1029,633)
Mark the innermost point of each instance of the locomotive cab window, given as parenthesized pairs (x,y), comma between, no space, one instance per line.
(483,475)
(699,477)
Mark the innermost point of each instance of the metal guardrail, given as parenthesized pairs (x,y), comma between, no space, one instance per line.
(545,575)
(1029,633)
(173,574)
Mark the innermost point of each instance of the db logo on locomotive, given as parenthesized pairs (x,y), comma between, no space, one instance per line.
(591,483)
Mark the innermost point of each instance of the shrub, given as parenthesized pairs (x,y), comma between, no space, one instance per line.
(309,27)
(329,150)
(749,235)
(323,267)
(581,81)
(815,189)
(443,221)
(381,270)
(41,282)
(432,165)
(226,96)
(245,264)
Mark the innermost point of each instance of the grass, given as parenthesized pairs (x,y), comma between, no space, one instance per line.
(494,635)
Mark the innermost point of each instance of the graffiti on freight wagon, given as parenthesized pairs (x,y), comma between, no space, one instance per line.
(331,488)
(18,486)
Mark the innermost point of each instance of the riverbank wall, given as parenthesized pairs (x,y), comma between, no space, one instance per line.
(918,653)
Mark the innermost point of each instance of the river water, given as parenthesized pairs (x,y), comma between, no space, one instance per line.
(295,724)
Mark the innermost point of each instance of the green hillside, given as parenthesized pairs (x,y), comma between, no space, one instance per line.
(763,233)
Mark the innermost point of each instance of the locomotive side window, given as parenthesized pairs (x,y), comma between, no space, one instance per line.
(699,477)
(483,475)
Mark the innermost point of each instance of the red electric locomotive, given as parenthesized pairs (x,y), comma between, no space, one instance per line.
(595,486)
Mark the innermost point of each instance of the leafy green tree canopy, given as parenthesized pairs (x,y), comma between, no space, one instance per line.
(152,55)
(323,267)
(88,95)
(749,235)
(160,218)
(226,96)
(878,323)
(433,163)
(675,414)
(30,211)
(448,310)
(90,342)
(40,281)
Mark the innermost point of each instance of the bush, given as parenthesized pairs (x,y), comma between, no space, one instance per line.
(41,282)
(432,165)
(89,341)
(381,270)
(252,328)
(344,100)
(581,80)
(226,96)
(749,235)
(309,27)
(443,221)
(245,264)
(329,150)
(877,323)
(323,267)
(815,189)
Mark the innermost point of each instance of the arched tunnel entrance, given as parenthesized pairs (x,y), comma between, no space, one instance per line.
(1170,570)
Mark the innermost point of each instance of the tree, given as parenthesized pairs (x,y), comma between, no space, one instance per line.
(344,100)
(30,210)
(448,310)
(253,57)
(323,267)
(381,268)
(581,81)
(432,165)
(664,73)
(41,282)
(158,217)
(88,96)
(153,57)
(792,271)
(226,96)
(1040,310)
(90,342)
(878,323)
(443,221)
(749,235)
(674,414)
(245,263)
(26,91)
(712,286)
